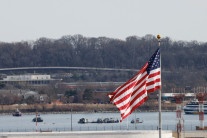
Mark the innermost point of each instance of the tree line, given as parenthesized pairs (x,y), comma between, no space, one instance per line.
(183,63)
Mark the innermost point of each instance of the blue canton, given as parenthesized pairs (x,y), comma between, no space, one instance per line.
(154,61)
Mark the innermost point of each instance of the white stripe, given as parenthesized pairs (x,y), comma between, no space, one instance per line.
(132,98)
(140,90)
(154,70)
(123,110)
(153,85)
(135,78)
(125,87)
(123,95)
(141,83)
(130,90)
(136,102)
(153,78)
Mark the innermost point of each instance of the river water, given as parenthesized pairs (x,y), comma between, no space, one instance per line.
(62,122)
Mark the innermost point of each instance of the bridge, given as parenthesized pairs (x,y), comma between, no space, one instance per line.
(65,68)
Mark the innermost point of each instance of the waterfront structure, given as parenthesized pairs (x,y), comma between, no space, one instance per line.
(200,97)
(180,123)
(30,79)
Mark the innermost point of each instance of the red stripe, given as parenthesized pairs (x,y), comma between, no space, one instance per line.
(140,72)
(118,91)
(144,83)
(129,87)
(134,85)
(133,78)
(153,82)
(153,89)
(132,101)
(136,97)
(131,94)
(154,74)
(124,90)
(137,105)
(123,99)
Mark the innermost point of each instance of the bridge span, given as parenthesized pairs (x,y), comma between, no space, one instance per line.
(66,68)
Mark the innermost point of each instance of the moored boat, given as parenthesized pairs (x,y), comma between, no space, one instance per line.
(110,120)
(17,113)
(193,107)
(136,121)
(99,120)
(83,121)
(37,119)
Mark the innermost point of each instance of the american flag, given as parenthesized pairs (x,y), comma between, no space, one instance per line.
(134,92)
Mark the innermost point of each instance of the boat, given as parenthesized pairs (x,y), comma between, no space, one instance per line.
(17,113)
(136,121)
(193,107)
(99,120)
(37,119)
(83,121)
(110,120)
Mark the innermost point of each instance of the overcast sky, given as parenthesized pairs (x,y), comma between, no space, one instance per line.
(22,20)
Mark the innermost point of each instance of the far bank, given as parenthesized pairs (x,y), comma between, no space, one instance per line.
(81,107)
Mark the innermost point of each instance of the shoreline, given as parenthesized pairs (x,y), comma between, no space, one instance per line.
(81,112)
(79,108)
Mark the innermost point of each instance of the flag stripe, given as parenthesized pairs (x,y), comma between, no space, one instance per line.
(139,85)
(120,90)
(129,102)
(153,82)
(123,107)
(128,87)
(153,89)
(137,105)
(154,74)
(140,97)
(128,82)
(139,92)
(142,93)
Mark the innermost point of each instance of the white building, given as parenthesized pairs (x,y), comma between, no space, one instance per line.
(32,79)
(27,77)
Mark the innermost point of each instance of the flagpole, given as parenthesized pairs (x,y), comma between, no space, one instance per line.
(160,116)
(127,123)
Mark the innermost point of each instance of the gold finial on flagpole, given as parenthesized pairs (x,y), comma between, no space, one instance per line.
(158,37)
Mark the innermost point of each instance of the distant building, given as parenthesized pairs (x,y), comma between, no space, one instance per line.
(30,94)
(25,94)
(31,79)
(44,98)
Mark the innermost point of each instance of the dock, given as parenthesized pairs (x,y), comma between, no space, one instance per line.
(88,134)
(105,134)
